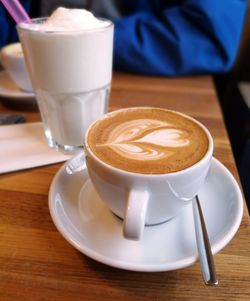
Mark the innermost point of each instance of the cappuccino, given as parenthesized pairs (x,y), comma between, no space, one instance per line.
(148,140)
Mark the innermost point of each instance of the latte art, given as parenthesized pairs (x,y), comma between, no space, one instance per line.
(148,140)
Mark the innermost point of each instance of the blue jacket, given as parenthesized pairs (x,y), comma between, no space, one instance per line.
(8,33)
(179,37)
(171,37)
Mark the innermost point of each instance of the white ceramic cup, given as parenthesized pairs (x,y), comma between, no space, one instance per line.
(146,199)
(12,59)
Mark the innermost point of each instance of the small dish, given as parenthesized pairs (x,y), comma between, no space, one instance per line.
(8,89)
(88,225)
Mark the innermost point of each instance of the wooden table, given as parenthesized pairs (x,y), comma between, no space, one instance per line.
(36,263)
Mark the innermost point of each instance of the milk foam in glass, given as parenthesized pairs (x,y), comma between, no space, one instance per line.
(69,59)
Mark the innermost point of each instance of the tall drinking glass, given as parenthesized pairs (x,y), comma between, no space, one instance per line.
(71,75)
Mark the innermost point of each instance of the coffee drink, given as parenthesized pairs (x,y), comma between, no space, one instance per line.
(148,140)
(69,58)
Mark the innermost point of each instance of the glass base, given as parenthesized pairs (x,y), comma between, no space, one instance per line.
(66,117)
(66,149)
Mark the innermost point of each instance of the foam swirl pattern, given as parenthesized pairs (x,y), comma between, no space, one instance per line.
(148,143)
(146,139)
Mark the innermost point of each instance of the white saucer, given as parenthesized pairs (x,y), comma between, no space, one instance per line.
(86,223)
(8,89)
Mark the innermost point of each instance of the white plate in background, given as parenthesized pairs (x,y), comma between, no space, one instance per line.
(8,89)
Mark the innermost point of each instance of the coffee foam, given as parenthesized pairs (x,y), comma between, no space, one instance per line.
(148,141)
(68,20)
(145,139)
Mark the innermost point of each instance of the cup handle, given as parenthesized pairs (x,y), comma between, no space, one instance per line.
(135,215)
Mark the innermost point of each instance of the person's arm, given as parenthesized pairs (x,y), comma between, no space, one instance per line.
(8,33)
(194,37)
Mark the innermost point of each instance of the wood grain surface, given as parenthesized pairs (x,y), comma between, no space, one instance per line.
(37,263)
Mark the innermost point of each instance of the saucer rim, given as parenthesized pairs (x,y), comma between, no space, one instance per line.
(17,94)
(155,267)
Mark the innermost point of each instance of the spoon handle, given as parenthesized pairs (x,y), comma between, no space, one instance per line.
(203,245)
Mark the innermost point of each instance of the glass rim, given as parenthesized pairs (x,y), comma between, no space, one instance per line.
(24,27)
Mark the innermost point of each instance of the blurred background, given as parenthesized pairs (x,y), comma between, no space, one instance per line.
(234,94)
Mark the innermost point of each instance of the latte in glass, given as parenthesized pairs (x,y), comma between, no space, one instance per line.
(148,140)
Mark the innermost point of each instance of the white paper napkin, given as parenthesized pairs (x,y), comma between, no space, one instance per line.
(24,146)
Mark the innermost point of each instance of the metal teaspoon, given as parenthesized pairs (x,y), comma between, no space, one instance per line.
(203,245)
